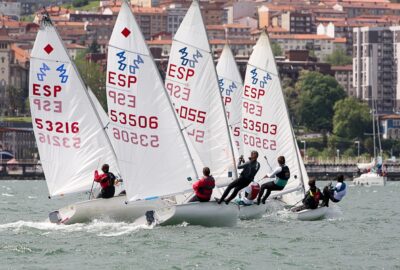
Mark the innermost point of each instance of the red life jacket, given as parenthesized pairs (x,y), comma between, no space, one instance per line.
(255,188)
(105,179)
(316,195)
(203,188)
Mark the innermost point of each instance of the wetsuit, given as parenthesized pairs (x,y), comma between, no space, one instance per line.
(203,189)
(247,175)
(106,181)
(282,174)
(336,194)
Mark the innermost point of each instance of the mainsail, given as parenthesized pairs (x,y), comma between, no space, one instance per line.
(70,138)
(231,85)
(266,124)
(151,151)
(192,84)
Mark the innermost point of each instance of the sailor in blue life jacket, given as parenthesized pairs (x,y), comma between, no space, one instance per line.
(335,194)
(311,198)
(250,169)
(282,174)
(249,194)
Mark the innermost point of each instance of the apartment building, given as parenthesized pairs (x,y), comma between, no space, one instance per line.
(320,45)
(298,22)
(344,76)
(376,66)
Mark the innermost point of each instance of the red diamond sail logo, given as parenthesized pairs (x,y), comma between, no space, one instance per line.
(48,48)
(126,32)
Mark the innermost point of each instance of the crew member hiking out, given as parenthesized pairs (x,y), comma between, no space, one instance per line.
(282,174)
(107,181)
(335,194)
(311,198)
(203,188)
(250,169)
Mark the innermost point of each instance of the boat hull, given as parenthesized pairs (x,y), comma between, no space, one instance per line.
(208,214)
(370,179)
(110,209)
(312,214)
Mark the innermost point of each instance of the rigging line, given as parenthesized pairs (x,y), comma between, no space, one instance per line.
(115,47)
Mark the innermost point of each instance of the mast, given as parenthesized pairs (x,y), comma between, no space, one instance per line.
(378,129)
(373,127)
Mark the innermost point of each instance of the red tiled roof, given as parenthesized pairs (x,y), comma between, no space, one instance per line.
(302,37)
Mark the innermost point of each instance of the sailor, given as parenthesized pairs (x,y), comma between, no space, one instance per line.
(203,187)
(335,194)
(282,174)
(107,181)
(250,169)
(249,194)
(311,199)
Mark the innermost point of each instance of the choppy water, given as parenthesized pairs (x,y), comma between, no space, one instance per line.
(364,233)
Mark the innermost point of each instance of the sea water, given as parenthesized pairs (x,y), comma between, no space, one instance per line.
(363,232)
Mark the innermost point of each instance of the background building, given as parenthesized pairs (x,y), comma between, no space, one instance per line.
(375,66)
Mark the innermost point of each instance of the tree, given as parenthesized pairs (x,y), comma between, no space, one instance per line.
(80,3)
(339,58)
(351,119)
(276,49)
(94,76)
(94,47)
(291,98)
(317,95)
(16,100)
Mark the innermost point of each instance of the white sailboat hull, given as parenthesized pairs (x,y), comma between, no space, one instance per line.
(208,214)
(253,211)
(111,209)
(370,179)
(311,214)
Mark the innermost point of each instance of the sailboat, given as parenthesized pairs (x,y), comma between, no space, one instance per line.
(266,125)
(151,149)
(231,85)
(192,83)
(69,133)
(374,176)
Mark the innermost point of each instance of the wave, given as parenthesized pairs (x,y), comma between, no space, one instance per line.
(100,228)
(7,195)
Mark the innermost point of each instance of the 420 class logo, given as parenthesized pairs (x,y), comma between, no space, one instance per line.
(186,60)
(260,79)
(44,68)
(227,90)
(122,62)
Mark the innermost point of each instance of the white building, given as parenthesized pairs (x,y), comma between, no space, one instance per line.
(376,68)
(12,9)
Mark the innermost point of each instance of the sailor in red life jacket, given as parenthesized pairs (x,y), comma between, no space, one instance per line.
(311,198)
(107,181)
(203,188)
(249,194)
